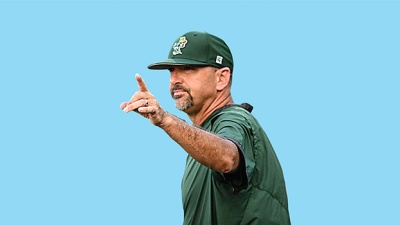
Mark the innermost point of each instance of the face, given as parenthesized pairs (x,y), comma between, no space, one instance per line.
(192,86)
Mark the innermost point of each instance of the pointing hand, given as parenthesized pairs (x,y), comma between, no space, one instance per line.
(144,103)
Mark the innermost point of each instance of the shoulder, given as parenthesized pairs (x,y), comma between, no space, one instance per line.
(231,116)
(233,112)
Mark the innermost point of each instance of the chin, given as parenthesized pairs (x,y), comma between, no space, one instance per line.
(183,104)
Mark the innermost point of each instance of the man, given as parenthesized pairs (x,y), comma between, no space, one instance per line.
(232,174)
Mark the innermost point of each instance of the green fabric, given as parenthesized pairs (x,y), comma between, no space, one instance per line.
(197,48)
(208,197)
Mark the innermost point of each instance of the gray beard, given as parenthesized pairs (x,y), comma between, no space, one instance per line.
(181,103)
(184,104)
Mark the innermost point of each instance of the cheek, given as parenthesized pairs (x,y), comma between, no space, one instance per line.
(204,91)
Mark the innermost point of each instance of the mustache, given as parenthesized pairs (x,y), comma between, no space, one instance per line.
(178,87)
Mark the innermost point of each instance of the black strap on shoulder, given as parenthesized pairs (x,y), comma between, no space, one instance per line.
(245,106)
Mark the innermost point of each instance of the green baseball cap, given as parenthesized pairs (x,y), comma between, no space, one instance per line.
(197,48)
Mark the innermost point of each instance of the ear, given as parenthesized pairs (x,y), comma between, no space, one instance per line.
(223,76)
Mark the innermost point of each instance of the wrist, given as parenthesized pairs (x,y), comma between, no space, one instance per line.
(165,120)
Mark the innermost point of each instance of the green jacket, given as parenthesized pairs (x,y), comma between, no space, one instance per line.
(255,194)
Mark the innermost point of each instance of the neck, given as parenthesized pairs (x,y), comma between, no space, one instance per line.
(207,109)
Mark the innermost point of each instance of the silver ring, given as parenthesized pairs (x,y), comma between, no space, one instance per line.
(147,103)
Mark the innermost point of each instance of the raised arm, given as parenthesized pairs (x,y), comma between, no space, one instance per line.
(209,149)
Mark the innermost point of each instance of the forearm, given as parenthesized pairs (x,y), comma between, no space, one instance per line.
(209,149)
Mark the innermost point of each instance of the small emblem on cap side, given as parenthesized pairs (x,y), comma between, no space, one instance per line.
(219,59)
(179,45)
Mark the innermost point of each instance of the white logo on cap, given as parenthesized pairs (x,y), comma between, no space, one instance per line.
(179,45)
(219,59)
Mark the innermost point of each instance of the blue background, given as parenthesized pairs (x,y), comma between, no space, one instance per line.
(323,77)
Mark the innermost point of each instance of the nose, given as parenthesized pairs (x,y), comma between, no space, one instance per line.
(176,77)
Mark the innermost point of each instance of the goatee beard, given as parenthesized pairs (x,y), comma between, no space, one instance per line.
(181,102)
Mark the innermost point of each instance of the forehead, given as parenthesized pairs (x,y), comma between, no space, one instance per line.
(190,69)
(189,66)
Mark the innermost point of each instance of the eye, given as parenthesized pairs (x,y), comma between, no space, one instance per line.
(188,68)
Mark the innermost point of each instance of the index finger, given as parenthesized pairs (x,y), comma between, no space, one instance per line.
(141,84)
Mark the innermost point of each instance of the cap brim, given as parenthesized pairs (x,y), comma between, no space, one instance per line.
(174,62)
